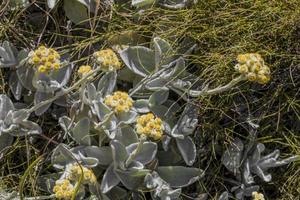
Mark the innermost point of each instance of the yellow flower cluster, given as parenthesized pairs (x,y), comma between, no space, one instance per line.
(44,59)
(88,175)
(257,196)
(119,101)
(253,67)
(107,59)
(150,126)
(84,69)
(63,189)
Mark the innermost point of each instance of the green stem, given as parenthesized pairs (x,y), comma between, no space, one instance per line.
(144,81)
(106,118)
(52,196)
(217,90)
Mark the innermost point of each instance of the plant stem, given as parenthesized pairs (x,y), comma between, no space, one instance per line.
(145,80)
(219,89)
(52,196)
(64,92)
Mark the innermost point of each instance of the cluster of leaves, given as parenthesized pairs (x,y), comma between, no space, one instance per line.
(92,124)
(125,163)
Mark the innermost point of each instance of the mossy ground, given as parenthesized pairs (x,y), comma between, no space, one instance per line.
(221,30)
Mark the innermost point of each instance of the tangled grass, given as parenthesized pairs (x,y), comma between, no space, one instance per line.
(221,29)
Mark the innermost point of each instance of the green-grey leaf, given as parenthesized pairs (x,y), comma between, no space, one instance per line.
(15,85)
(103,154)
(127,135)
(109,179)
(20,115)
(107,83)
(139,59)
(179,176)
(232,157)
(119,154)
(5,106)
(127,117)
(141,105)
(75,11)
(146,154)
(224,196)
(162,49)
(157,84)
(62,75)
(25,74)
(40,97)
(61,156)
(132,179)
(158,97)
(100,109)
(65,123)
(187,149)
(81,132)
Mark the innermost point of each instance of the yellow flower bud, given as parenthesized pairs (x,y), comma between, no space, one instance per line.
(36,59)
(44,59)
(84,69)
(48,65)
(51,57)
(56,66)
(242,58)
(255,67)
(42,69)
(42,47)
(251,76)
(263,79)
(243,69)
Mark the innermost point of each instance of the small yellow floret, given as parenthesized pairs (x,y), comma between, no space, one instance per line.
(243,69)
(42,69)
(251,76)
(36,59)
(51,57)
(242,58)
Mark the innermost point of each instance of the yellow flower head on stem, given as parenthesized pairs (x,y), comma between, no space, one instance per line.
(119,101)
(107,59)
(257,196)
(150,126)
(76,171)
(44,59)
(63,189)
(252,66)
